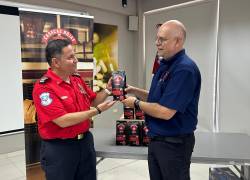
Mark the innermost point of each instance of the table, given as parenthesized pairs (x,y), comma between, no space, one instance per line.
(216,148)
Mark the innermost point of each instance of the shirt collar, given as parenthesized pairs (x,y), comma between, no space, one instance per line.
(53,76)
(173,58)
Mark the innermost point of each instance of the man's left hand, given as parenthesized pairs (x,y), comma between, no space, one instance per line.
(129,101)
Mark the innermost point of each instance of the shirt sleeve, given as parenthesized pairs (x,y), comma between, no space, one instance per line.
(48,105)
(179,91)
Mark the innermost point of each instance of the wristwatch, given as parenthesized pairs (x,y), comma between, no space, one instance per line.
(98,109)
(136,104)
(107,91)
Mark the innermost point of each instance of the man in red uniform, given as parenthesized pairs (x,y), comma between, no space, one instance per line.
(63,101)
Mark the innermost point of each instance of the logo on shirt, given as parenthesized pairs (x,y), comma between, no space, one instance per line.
(45,99)
(81,89)
(164,76)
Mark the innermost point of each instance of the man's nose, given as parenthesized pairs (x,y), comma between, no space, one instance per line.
(157,42)
(75,60)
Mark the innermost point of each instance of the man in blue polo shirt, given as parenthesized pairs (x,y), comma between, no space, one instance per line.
(171,106)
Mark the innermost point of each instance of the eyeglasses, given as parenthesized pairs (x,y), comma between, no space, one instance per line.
(160,40)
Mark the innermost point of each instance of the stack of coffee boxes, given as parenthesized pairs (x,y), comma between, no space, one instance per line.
(132,129)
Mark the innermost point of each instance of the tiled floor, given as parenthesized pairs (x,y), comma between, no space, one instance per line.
(113,169)
(12,167)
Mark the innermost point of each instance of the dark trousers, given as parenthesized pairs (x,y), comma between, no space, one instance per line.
(170,159)
(69,159)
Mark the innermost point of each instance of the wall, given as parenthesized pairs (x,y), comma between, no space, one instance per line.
(144,6)
(234,102)
(148,5)
(11,79)
(109,5)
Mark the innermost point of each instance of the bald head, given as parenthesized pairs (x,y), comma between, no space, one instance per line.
(170,38)
(176,28)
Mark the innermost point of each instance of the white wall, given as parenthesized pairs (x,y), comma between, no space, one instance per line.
(234,106)
(148,5)
(143,6)
(11,95)
(109,5)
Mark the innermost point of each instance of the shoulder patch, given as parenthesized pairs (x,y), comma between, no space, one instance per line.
(45,99)
(76,74)
(43,79)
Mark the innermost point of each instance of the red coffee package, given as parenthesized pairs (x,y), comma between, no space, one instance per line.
(121,133)
(145,138)
(134,133)
(118,85)
(128,112)
(139,114)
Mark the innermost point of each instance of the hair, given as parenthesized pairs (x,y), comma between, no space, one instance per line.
(54,48)
(157,26)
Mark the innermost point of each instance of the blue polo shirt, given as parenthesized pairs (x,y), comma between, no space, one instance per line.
(176,85)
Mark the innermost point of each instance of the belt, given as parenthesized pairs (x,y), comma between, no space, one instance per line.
(172,139)
(76,138)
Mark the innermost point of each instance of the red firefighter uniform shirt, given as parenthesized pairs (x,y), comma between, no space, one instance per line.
(54,97)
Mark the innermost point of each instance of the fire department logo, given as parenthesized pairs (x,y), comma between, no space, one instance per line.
(45,99)
(121,127)
(134,128)
(118,79)
(81,89)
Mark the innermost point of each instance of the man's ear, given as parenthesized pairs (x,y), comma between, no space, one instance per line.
(55,62)
(179,42)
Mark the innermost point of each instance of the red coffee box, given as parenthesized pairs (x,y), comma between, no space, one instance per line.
(139,114)
(118,85)
(145,137)
(134,133)
(121,132)
(128,112)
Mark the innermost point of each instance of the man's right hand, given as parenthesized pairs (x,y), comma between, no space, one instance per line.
(130,89)
(106,105)
(139,93)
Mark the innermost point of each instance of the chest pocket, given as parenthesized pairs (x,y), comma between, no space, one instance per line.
(82,97)
(68,103)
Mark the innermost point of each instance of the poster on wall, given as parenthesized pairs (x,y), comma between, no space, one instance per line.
(105,42)
(36,29)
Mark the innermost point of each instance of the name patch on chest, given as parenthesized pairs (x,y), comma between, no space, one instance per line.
(64,97)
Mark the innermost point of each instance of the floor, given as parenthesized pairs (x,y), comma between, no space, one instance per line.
(12,167)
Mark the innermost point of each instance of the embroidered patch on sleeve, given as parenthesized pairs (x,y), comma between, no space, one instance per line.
(45,99)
